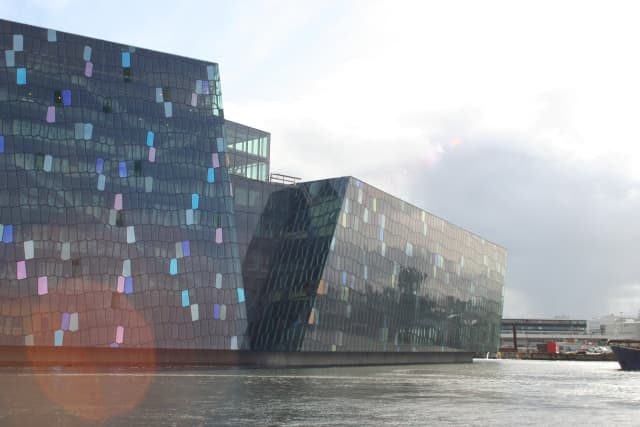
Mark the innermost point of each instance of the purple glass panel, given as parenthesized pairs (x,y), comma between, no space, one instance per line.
(186,248)
(88,69)
(99,165)
(51,114)
(7,233)
(128,285)
(216,311)
(64,324)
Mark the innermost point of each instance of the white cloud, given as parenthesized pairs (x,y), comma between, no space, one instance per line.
(390,90)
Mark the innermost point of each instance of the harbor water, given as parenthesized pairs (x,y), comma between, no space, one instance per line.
(484,393)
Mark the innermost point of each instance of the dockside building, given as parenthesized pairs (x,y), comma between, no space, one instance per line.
(134,216)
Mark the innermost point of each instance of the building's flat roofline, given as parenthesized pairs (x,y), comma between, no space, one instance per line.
(247,126)
(203,61)
(417,207)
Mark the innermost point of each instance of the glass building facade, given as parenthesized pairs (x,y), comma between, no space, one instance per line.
(132,214)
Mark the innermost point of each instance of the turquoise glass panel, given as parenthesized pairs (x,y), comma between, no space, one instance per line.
(21,76)
(58,337)
(185,298)
(126,59)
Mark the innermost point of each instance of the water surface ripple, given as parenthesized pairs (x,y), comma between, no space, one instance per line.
(487,392)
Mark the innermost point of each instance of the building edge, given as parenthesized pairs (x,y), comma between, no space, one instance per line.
(94,357)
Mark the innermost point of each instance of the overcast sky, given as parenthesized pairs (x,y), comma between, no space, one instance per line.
(516,120)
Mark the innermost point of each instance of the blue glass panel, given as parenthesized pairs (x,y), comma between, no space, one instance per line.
(21,76)
(128,285)
(210,177)
(99,165)
(381,235)
(186,248)
(240,295)
(126,59)
(1,144)
(66,97)
(88,131)
(173,267)
(195,200)
(18,42)
(344,278)
(150,136)
(185,298)
(7,234)
(220,144)
(102,180)
(123,169)
(10,58)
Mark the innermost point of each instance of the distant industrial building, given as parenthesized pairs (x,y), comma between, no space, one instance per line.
(531,335)
(616,327)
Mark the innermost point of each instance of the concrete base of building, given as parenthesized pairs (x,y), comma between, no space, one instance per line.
(94,357)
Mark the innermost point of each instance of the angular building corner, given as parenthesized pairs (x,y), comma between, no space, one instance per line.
(134,216)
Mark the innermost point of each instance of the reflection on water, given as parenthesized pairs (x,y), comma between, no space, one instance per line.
(487,392)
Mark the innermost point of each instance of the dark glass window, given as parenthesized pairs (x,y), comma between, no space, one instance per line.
(76,267)
(107,106)
(120,222)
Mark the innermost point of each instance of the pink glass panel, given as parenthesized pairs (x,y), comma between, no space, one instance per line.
(218,235)
(119,334)
(152,154)
(88,69)
(121,284)
(43,285)
(22,270)
(215,160)
(117,203)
